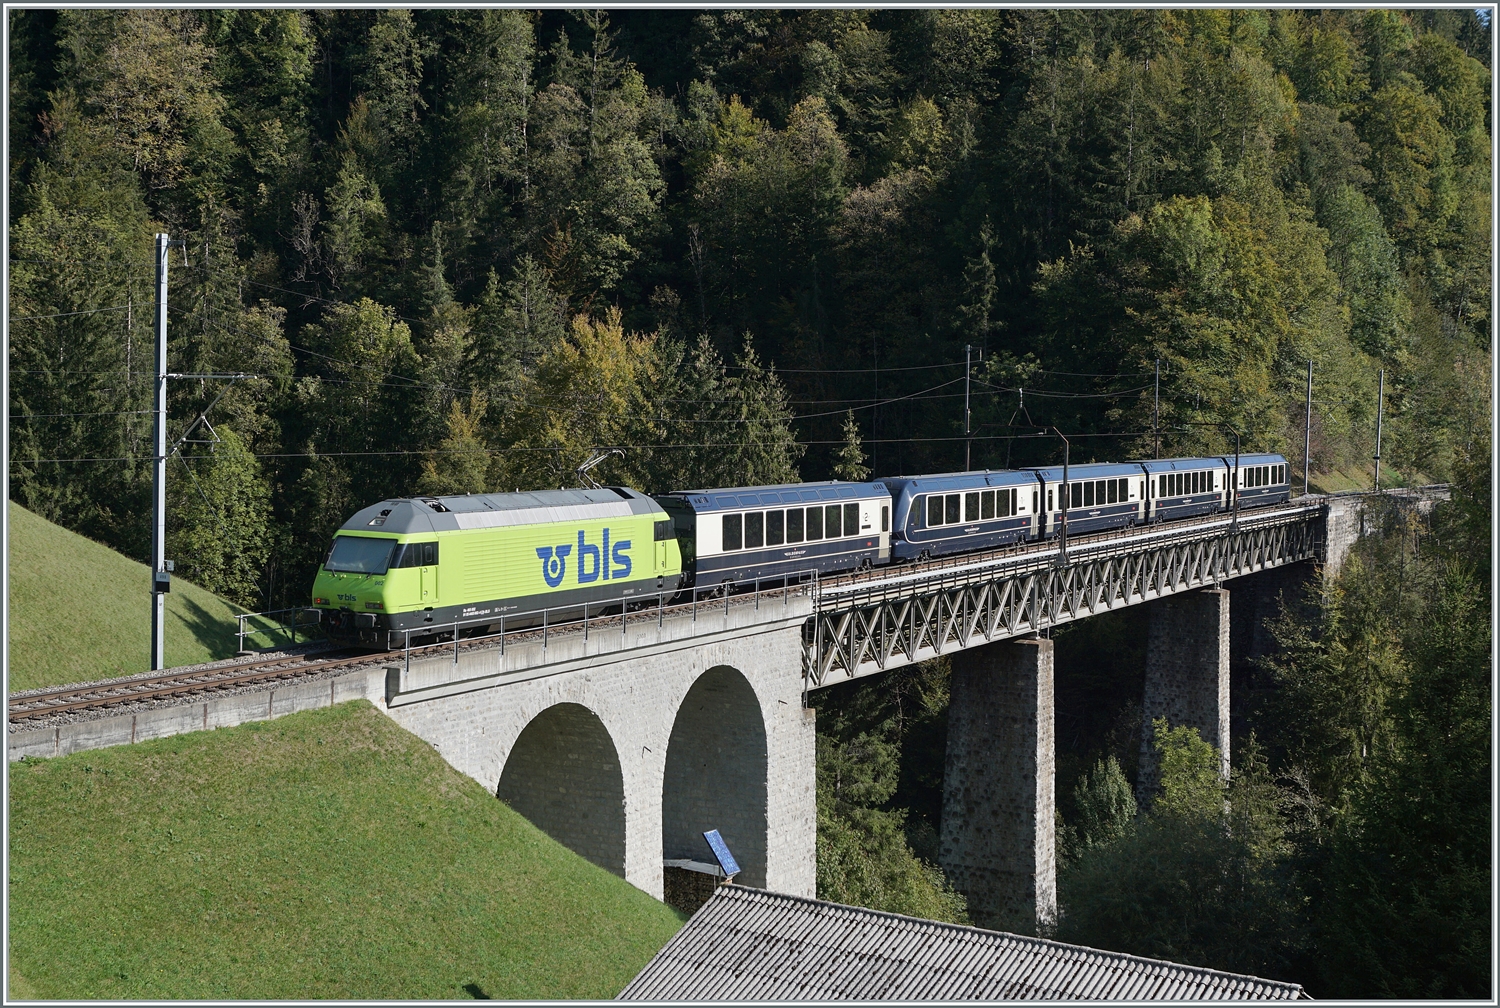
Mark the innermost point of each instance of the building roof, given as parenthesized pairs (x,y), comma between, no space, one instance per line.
(751,945)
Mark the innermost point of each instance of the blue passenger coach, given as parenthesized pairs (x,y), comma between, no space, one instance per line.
(958,512)
(1263,480)
(771,531)
(1183,487)
(1104,495)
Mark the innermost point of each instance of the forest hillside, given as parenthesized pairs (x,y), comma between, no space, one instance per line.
(454,250)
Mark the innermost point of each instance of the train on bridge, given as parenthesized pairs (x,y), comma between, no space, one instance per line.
(425,566)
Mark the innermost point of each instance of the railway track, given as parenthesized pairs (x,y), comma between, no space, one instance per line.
(86,696)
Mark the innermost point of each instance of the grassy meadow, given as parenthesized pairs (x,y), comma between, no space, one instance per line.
(327,854)
(79,611)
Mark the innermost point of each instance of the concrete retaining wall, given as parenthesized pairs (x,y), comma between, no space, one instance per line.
(222,712)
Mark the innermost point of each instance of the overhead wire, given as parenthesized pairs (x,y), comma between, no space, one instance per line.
(91,311)
(636,447)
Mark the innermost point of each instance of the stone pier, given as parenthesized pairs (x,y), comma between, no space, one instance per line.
(1187,676)
(999,805)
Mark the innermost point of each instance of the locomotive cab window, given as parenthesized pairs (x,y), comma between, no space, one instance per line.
(415,555)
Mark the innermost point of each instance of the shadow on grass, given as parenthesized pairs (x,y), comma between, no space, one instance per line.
(476,992)
(213,633)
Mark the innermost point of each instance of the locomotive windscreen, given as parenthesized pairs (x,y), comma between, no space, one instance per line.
(359,555)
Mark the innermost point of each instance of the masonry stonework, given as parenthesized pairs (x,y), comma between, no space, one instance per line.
(715,776)
(998,833)
(564,775)
(1187,676)
(730,702)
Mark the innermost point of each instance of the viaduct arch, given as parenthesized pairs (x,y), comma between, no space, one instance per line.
(563,774)
(715,773)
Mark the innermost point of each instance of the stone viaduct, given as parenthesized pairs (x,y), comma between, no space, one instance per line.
(627,742)
(626,739)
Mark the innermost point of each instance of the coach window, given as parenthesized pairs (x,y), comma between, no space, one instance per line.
(934,510)
(794,525)
(831,521)
(775,528)
(885,518)
(950,509)
(1034,501)
(755,529)
(814,524)
(971,506)
(987,504)
(1049,498)
(851,519)
(732,532)
(1112,492)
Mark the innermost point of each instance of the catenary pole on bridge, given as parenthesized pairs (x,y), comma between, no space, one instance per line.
(1307,434)
(968,442)
(160,581)
(1156,412)
(1379,410)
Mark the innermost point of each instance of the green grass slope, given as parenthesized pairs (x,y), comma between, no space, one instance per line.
(80,611)
(327,854)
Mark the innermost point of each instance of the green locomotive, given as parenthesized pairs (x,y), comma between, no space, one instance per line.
(408,567)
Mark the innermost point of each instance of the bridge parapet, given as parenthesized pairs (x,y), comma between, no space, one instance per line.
(522,655)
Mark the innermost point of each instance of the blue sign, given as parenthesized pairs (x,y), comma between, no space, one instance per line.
(721,852)
(606,564)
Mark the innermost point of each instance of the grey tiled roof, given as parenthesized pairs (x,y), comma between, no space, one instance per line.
(752,945)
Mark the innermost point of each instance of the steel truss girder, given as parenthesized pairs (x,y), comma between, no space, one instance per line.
(857,633)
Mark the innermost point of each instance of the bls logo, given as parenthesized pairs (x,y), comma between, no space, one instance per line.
(606,564)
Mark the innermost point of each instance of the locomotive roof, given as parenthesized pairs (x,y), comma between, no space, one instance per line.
(414,515)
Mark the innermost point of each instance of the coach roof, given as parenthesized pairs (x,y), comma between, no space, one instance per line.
(736,498)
